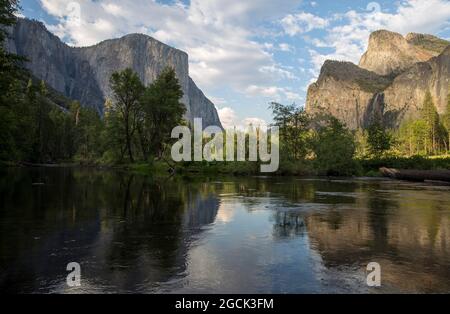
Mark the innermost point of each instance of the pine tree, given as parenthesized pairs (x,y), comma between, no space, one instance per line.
(8,8)
(446,121)
(431,118)
(10,94)
(43,89)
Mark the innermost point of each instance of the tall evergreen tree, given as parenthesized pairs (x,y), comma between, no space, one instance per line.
(9,89)
(431,118)
(446,121)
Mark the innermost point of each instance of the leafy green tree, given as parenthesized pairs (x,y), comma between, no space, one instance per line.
(127,89)
(334,147)
(293,122)
(378,140)
(161,112)
(113,136)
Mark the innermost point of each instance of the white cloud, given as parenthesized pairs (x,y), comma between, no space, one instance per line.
(277,72)
(256,122)
(113,9)
(285,47)
(268,46)
(303,22)
(265,91)
(274,93)
(319,43)
(218,101)
(227,117)
(230,120)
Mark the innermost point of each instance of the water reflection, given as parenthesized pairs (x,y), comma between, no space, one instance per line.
(124,230)
(136,234)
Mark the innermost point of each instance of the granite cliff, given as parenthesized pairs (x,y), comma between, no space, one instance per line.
(82,73)
(390,81)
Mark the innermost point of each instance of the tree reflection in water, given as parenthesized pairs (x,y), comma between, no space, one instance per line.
(137,234)
(126,231)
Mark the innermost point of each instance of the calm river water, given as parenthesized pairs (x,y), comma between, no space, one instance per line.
(134,234)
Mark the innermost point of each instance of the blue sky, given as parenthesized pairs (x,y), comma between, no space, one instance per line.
(244,54)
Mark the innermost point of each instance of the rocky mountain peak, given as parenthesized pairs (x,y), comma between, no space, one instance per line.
(390,53)
(391,80)
(385,37)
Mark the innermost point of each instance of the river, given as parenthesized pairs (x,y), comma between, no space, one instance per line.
(136,234)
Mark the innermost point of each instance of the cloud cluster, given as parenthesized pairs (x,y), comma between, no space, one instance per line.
(303,22)
(218,35)
(230,120)
(273,92)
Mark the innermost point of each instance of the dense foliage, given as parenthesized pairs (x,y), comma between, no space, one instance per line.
(319,142)
(429,135)
(139,120)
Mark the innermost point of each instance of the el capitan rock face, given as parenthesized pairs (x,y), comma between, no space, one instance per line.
(390,81)
(83,73)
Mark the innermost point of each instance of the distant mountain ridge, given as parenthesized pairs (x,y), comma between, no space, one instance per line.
(83,73)
(391,80)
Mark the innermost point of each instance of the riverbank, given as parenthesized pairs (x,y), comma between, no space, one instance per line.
(362,167)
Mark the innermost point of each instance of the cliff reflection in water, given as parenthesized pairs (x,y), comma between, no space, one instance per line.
(405,227)
(136,234)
